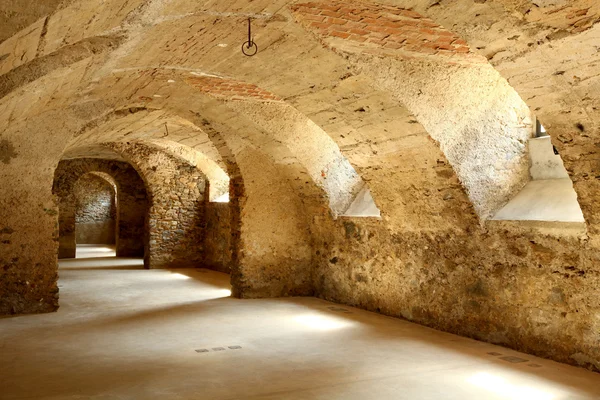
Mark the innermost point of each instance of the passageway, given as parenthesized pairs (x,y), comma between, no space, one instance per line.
(129,333)
(388,156)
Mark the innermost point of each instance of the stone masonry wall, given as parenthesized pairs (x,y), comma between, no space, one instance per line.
(96,211)
(505,284)
(217,242)
(131,198)
(176,216)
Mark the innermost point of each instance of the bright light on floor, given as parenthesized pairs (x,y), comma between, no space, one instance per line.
(95,249)
(500,386)
(177,275)
(322,322)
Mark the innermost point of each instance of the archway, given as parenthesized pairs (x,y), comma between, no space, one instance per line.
(130,220)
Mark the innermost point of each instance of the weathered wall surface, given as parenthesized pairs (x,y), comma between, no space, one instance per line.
(96,211)
(176,215)
(512,287)
(381,93)
(479,121)
(131,198)
(19,14)
(217,242)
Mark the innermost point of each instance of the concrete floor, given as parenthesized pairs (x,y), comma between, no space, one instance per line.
(127,333)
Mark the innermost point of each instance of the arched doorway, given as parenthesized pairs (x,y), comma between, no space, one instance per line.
(84,188)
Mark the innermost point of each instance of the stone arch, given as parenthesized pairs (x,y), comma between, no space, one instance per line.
(263,116)
(132,200)
(292,262)
(480,122)
(547,52)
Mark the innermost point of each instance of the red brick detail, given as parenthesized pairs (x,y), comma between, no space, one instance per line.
(386,26)
(230,89)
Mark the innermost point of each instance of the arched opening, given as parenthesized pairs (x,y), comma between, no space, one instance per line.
(549,198)
(96,210)
(100,202)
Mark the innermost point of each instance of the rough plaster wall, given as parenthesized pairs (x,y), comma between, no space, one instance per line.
(96,211)
(320,155)
(481,123)
(176,215)
(275,257)
(131,199)
(16,15)
(217,242)
(547,51)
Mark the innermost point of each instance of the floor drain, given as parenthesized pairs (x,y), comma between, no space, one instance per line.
(218,349)
(513,360)
(493,353)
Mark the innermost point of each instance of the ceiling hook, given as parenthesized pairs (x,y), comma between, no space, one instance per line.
(250,48)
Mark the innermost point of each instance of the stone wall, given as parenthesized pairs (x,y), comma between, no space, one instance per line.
(96,211)
(217,242)
(176,216)
(131,199)
(506,283)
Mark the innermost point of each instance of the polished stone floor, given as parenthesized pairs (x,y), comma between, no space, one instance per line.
(123,332)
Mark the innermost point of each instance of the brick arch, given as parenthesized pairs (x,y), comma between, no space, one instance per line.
(131,198)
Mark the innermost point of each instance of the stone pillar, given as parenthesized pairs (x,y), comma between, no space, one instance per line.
(28,231)
(176,217)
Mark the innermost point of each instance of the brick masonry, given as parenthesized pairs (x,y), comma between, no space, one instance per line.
(379,26)
(231,89)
